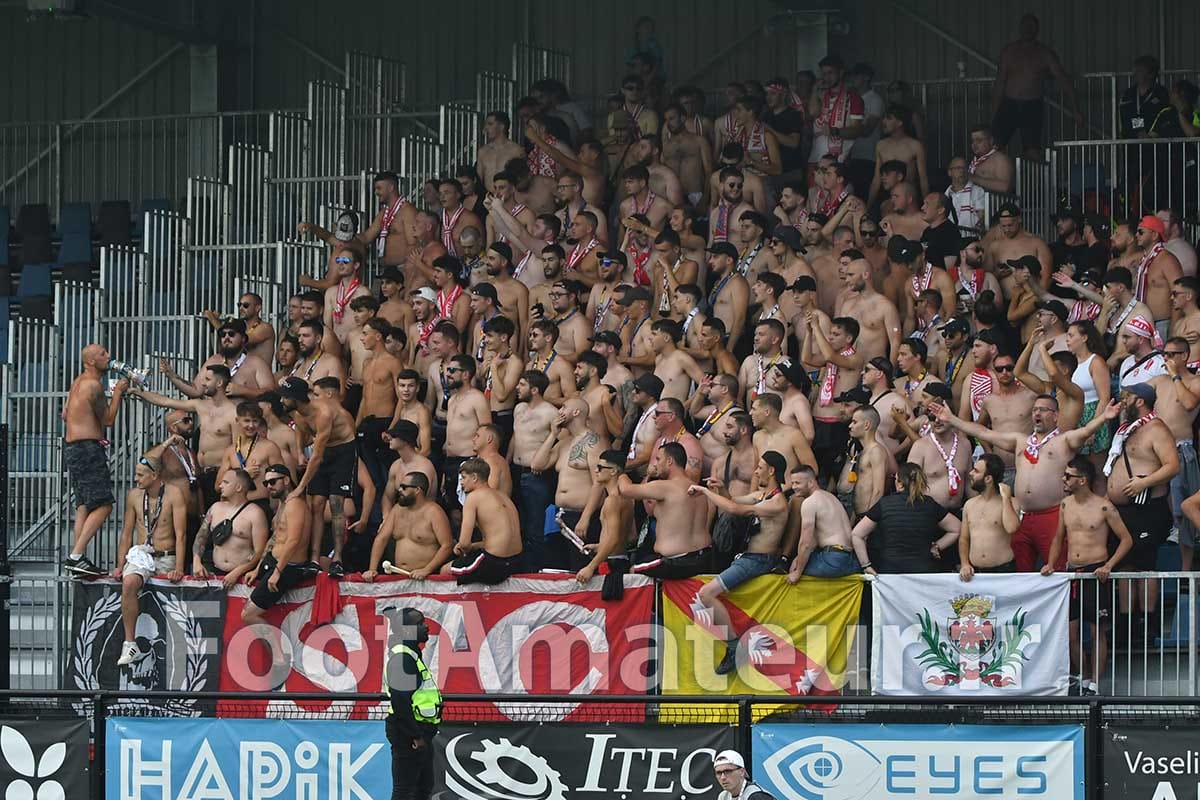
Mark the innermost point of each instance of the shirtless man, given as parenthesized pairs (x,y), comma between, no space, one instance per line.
(504,197)
(573,328)
(1118,308)
(841,369)
(863,480)
(682,545)
(877,380)
(485,445)
(347,266)
(532,420)
(730,204)
(390,228)
(668,424)
(829,271)
(602,310)
(767,354)
(499,371)
(452,301)
(178,463)
(252,451)
(818,529)
(1086,525)
(1007,409)
(754,257)
(498,150)
(288,545)
(607,344)
(251,376)
(315,363)
(792,384)
(362,309)
(713,401)
(530,242)
(402,439)
(1141,463)
(411,409)
(158,512)
(1025,66)
(467,408)
(498,556)
(332,468)
(1042,460)
(878,318)
(616,527)
(395,308)
(378,407)
(514,295)
(260,334)
(771,434)
(1178,405)
(87,414)
(670,269)
(635,328)
(989,520)
(570,194)
(990,168)
(1156,272)
(905,218)
(543,357)
(640,199)
(730,294)
(897,145)
(425,322)
(215,413)
(417,529)
(1013,243)
(603,417)
(1185,311)
(787,245)
(238,528)
(571,450)
(676,369)
(687,154)
(768,508)
(664,181)
(945,456)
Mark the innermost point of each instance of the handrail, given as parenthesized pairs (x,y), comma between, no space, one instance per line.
(1113,142)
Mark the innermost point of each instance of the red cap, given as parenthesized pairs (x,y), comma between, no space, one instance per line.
(1153,223)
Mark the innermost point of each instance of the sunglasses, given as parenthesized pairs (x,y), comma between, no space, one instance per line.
(1005,368)
(607,261)
(404,486)
(343,260)
(1071,476)
(245,305)
(556,294)
(453,370)
(147,464)
(1173,353)
(269,482)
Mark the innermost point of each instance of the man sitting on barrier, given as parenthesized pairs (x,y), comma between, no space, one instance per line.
(818,530)
(158,512)
(758,549)
(288,546)
(489,541)
(1086,525)
(682,545)
(237,529)
(418,530)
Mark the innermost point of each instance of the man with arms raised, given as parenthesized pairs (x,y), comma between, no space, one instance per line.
(418,530)
(768,510)
(260,334)
(1087,524)
(818,529)
(158,512)
(498,555)
(1041,459)
(250,375)
(282,565)
(989,521)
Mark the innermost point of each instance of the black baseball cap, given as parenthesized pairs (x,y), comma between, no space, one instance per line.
(724,249)
(294,388)
(1068,212)
(1055,307)
(616,256)
(883,365)
(235,325)
(486,290)
(405,431)
(391,273)
(902,250)
(796,375)
(805,283)
(633,294)
(608,337)
(955,325)
(1100,225)
(649,384)
(1026,262)
(790,237)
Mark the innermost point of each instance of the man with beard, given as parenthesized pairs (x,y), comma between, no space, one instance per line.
(897,145)
(250,375)
(1177,406)
(1185,307)
(532,421)
(640,199)
(768,510)
(827,268)
(571,449)
(583,260)
(944,454)
(1012,244)
(768,353)
(542,232)
(754,257)
(418,530)
(389,230)
(729,207)
(607,345)
(216,414)
(941,239)
(283,564)
(1069,247)
(714,399)
(260,335)
(905,217)
(663,180)
(497,150)
(818,530)
(514,295)
(990,167)
(970,278)
(879,321)
(466,409)
(543,357)
(499,371)
(915,275)
(179,466)
(730,294)
(602,310)
(687,154)
(573,330)
(553,259)
(426,246)
(470,253)
(603,416)
(568,194)
(989,521)
(669,269)
(877,380)
(1041,460)
(426,321)
(792,209)
(315,363)
(504,196)
(1117,307)
(1156,271)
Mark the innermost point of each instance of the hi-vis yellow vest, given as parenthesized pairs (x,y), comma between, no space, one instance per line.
(427,699)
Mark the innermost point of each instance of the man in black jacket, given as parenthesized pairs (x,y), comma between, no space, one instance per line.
(416,706)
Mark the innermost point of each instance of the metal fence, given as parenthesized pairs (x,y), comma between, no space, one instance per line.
(458,132)
(375,88)
(495,92)
(1129,177)
(531,63)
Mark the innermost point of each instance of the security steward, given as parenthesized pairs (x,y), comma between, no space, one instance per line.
(416,706)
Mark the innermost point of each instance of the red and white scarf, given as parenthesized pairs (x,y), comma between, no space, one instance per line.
(1143,271)
(425,331)
(448,224)
(1122,435)
(524,262)
(732,130)
(633,443)
(579,253)
(831,374)
(829,204)
(445,302)
(542,163)
(755,140)
(721,223)
(640,257)
(635,126)
(979,386)
(977,160)
(1033,445)
(835,110)
(953,479)
(971,284)
(344,295)
(1083,310)
(643,209)
(1140,326)
(389,214)
(517,209)
(921,282)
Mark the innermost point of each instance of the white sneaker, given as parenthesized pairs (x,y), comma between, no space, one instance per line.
(1173,536)
(129,653)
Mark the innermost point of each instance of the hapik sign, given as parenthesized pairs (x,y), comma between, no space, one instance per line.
(508,761)
(1151,763)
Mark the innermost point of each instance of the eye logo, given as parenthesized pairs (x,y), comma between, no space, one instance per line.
(824,768)
(19,756)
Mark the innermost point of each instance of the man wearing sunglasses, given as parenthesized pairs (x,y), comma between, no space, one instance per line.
(1156,271)
(288,546)
(346,266)
(250,375)
(730,769)
(417,529)
(260,335)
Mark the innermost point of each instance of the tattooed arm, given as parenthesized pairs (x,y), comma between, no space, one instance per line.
(198,547)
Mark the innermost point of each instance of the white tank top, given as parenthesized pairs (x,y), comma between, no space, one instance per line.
(1082,378)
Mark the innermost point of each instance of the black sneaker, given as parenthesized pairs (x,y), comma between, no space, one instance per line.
(81,567)
(336,570)
(729,662)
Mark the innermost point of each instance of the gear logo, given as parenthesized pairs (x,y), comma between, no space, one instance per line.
(19,755)
(501,771)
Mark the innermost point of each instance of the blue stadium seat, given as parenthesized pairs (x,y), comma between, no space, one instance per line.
(115,222)
(4,224)
(75,229)
(35,281)
(33,228)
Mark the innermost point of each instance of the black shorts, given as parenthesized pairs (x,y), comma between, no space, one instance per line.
(829,445)
(337,473)
(352,399)
(1090,600)
(561,554)
(685,565)
(262,596)
(449,473)
(999,569)
(503,420)
(1149,524)
(87,465)
(207,479)
(483,567)
(1024,115)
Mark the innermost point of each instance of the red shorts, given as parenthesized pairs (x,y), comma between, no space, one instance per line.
(1031,543)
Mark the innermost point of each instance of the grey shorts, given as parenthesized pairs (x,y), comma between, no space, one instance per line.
(87,465)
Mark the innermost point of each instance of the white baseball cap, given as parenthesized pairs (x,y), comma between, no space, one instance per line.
(425,293)
(732,757)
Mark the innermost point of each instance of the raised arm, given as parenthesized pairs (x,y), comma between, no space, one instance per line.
(1008,441)
(1077,437)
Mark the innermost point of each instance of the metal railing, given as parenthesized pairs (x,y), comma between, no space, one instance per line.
(1130,177)
(531,63)
(375,87)
(458,130)
(421,158)
(495,92)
